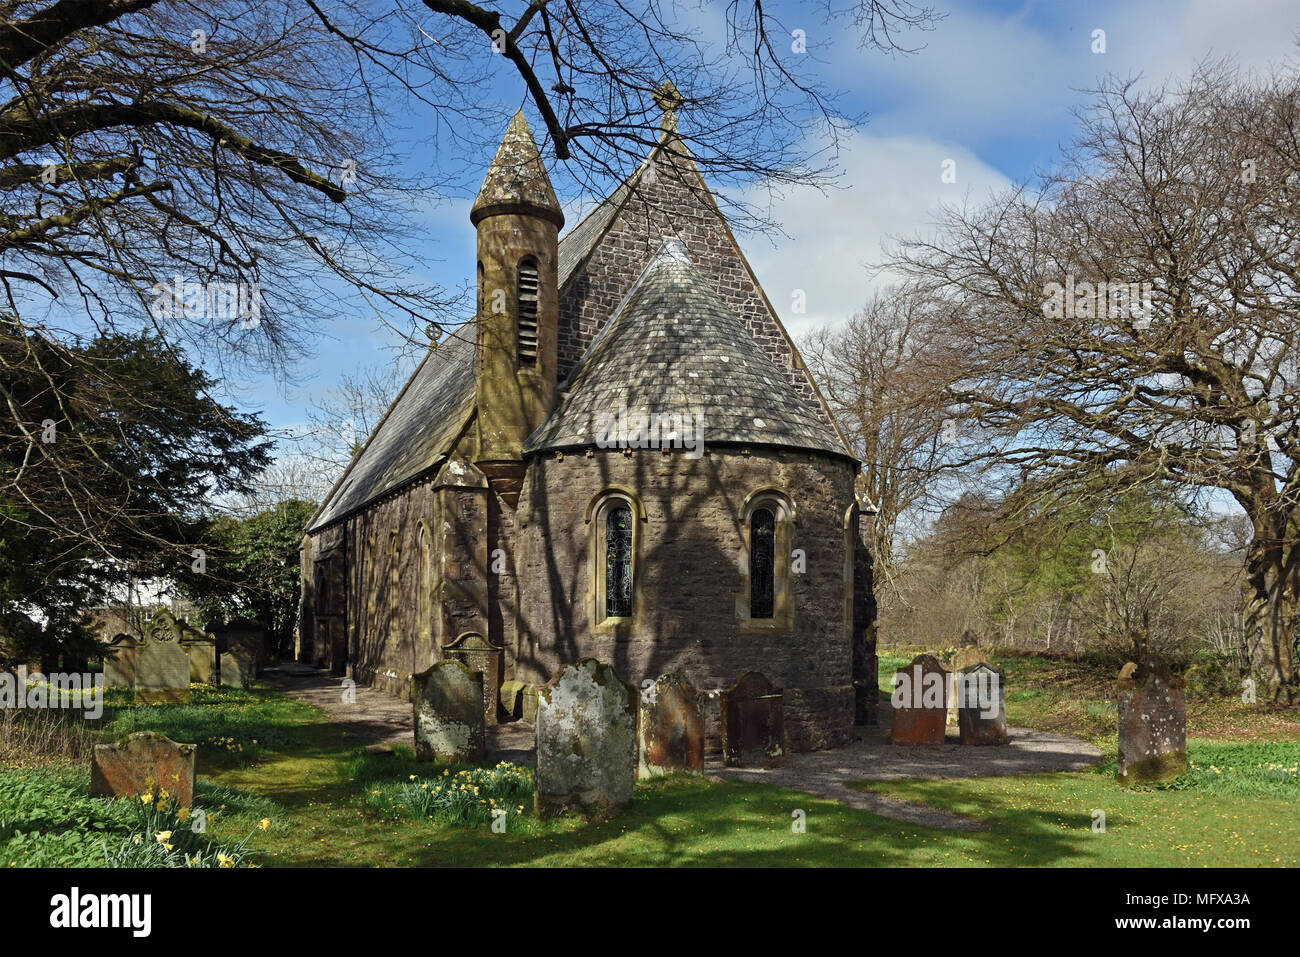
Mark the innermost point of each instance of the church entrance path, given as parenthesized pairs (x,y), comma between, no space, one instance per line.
(871,757)
(379,718)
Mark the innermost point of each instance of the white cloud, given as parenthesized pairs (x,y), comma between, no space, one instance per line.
(893,188)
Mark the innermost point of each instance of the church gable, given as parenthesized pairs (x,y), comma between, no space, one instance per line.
(604,254)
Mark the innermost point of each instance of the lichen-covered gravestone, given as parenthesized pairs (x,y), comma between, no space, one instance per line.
(670,731)
(481,655)
(236,667)
(144,763)
(448,703)
(920,702)
(982,704)
(162,670)
(753,723)
(586,740)
(119,662)
(1152,723)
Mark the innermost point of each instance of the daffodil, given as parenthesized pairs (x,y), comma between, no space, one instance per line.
(264,824)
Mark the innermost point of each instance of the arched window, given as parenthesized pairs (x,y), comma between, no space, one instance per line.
(526,312)
(394,582)
(618,562)
(424,593)
(762,563)
(617,521)
(765,602)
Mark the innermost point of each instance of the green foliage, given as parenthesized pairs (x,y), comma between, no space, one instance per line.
(253,570)
(49,820)
(459,796)
(114,446)
(225,722)
(1242,769)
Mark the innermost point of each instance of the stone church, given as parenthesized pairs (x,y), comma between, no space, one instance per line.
(621,456)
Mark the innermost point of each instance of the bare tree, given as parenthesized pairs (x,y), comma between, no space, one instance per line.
(871,372)
(224,176)
(1132,320)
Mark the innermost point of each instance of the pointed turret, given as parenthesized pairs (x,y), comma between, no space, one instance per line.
(516,182)
(518,220)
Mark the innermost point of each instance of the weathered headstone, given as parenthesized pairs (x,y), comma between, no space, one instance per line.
(481,655)
(448,703)
(961,658)
(670,732)
(162,670)
(586,740)
(982,704)
(753,723)
(920,702)
(1152,723)
(144,763)
(202,650)
(236,667)
(119,662)
(249,636)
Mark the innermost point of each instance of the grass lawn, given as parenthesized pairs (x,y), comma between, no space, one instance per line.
(325,802)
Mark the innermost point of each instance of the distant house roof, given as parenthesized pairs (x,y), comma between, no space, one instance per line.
(673,347)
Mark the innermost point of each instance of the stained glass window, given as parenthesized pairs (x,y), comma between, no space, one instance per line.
(618,563)
(762,561)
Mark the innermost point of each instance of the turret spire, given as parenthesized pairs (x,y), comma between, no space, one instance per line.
(516,182)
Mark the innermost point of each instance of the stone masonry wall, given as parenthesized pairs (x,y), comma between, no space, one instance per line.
(688,576)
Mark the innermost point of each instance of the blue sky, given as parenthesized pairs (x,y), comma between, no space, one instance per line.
(992,90)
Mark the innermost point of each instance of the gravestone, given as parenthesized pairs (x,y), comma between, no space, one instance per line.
(119,662)
(753,723)
(961,658)
(481,655)
(144,763)
(529,699)
(982,704)
(920,702)
(236,667)
(512,698)
(162,670)
(249,636)
(1152,723)
(586,740)
(670,730)
(163,624)
(448,703)
(202,650)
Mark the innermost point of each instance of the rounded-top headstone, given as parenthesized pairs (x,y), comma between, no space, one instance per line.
(1152,704)
(586,740)
(447,700)
(920,702)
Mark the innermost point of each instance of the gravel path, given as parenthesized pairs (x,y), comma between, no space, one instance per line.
(871,757)
(382,719)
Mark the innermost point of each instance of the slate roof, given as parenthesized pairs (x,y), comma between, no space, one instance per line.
(416,431)
(674,347)
(663,350)
(440,393)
